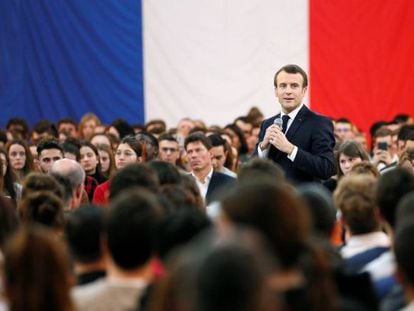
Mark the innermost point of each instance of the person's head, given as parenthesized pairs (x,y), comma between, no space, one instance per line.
(156,126)
(101,139)
(348,154)
(321,207)
(37,181)
(403,118)
(404,253)
(260,168)
(34,256)
(168,148)
(49,151)
(385,136)
(245,125)
(133,175)
(71,150)
(72,176)
(121,128)
(405,209)
(198,146)
(275,211)
(20,156)
(68,126)
(89,158)
(238,140)
(407,160)
(42,130)
(8,175)
(106,159)
(130,228)
(184,127)
(355,198)
(44,208)
(343,130)
(365,168)
(405,139)
(167,172)
(87,125)
(129,151)
(392,186)
(291,84)
(18,128)
(150,145)
(219,151)
(83,230)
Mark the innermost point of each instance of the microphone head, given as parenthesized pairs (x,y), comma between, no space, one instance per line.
(278,121)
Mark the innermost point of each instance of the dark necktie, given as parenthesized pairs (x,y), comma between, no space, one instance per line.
(285,120)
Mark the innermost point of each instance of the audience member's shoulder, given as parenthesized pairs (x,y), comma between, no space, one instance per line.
(224,177)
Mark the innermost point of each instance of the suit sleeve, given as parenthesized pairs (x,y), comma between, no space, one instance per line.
(319,161)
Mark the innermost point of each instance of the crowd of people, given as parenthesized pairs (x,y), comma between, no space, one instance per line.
(243,217)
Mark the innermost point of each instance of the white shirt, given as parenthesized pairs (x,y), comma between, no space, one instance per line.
(203,186)
(362,242)
(292,115)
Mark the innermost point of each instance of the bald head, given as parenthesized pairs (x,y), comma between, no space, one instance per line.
(69,169)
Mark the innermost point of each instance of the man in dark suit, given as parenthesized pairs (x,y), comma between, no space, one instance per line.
(210,182)
(303,144)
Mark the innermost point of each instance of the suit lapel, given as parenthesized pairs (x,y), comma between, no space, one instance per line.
(300,117)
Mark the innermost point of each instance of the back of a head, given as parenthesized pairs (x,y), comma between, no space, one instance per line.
(133,175)
(275,211)
(42,207)
(41,182)
(321,207)
(70,170)
(8,220)
(405,208)
(37,271)
(355,197)
(392,186)
(167,172)
(404,251)
(131,226)
(258,168)
(83,229)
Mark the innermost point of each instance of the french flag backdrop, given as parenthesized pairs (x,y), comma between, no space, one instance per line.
(209,60)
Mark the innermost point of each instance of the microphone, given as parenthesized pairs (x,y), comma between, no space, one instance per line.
(279,122)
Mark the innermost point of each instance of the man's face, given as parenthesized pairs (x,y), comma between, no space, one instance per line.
(169,151)
(47,157)
(219,157)
(198,156)
(290,90)
(343,131)
(245,127)
(68,128)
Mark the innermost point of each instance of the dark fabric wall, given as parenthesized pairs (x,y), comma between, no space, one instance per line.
(61,58)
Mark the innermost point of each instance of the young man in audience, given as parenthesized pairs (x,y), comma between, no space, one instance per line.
(49,151)
(168,148)
(219,152)
(130,241)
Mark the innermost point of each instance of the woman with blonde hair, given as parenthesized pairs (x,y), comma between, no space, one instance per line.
(87,125)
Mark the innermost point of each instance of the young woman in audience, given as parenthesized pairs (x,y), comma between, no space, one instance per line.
(107,160)
(87,125)
(11,189)
(20,159)
(129,151)
(89,158)
(348,154)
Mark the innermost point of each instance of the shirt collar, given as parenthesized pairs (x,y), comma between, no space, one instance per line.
(293,113)
(207,178)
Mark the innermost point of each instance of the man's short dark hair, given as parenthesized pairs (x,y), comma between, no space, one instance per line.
(197,137)
(168,137)
(67,120)
(48,143)
(83,229)
(260,168)
(167,173)
(291,68)
(133,175)
(406,132)
(216,140)
(21,122)
(131,226)
(392,186)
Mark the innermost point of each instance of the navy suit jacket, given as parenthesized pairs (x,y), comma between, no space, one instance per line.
(219,183)
(313,135)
